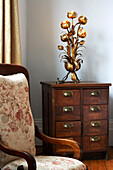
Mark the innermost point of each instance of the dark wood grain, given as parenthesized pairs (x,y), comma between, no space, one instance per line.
(89,130)
(90,115)
(61,100)
(91,146)
(67,132)
(102,98)
(72,85)
(81,101)
(70,115)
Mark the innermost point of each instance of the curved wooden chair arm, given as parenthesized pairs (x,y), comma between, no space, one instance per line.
(22,154)
(47,139)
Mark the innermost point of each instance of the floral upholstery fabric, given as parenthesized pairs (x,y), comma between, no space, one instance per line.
(49,163)
(16,121)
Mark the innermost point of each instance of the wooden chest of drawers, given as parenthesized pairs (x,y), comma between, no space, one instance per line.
(79,112)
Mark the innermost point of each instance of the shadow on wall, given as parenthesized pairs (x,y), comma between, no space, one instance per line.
(40,49)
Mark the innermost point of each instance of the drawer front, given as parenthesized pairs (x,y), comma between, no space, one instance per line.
(67,97)
(95,96)
(67,129)
(64,113)
(91,112)
(65,148)
(98,127)
(91,143)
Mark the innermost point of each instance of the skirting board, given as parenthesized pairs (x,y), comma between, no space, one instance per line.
(39,123)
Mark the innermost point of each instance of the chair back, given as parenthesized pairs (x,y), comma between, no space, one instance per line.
(10,69)
(16,120)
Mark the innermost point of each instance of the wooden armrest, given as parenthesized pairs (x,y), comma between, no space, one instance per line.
(47,139)
(22,154)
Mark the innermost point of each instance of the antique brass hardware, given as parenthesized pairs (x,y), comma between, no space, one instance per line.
(95,139)
(68,109)
(68,125)
(67,93)
(95,93)
(95,123)
(94,108)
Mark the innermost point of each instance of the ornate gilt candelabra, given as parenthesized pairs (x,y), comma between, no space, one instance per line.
(71,54)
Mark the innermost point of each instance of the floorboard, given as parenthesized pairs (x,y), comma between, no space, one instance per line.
(88,164)
(102,164)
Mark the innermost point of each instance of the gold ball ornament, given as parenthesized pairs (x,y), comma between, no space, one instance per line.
(82,20)
(72,14)
(65,24)
(82,42)
(82,33)
(60,47)
(64,37)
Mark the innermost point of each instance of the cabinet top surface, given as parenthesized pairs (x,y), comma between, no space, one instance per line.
(72,84)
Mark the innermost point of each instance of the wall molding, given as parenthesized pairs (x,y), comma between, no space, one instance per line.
(39,123)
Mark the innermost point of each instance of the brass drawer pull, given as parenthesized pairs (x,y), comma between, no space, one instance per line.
(95,108)
(95,139)
(68,109)
(68,125)
(67,93)
(95,93)
(95,123)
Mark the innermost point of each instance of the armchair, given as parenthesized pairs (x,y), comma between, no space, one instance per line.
(17,129)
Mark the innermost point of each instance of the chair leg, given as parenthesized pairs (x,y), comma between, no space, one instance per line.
(86,168)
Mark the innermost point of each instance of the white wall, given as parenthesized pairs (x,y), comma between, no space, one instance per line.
(40,31)
(41,54)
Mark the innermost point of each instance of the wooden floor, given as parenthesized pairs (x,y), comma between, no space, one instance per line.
(100,164)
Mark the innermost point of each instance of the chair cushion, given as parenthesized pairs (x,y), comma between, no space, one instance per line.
(49,163)
(16,121)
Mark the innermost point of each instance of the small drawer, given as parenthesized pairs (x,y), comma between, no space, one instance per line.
(91,143)
(92,112)
(65,148)
(64,113)
(98,127)
(67,97)
(95,96)
(67,129)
